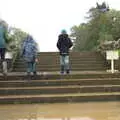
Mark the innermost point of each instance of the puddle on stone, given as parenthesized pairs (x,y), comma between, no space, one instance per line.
(66,111)
(77,118)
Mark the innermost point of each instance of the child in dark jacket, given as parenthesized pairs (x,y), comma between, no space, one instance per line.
(64,43)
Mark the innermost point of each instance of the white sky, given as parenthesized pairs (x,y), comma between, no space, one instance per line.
(44,19)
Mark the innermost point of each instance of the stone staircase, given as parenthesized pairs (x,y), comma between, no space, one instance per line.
(83,61)
(88,81)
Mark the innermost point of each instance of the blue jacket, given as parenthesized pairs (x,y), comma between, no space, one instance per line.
(29,49)
(2,37)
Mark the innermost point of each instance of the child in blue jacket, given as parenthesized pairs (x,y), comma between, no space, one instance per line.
(29,53)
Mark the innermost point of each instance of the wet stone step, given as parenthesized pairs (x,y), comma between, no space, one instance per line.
(97,68)
(80,82)
(58,65)
(57,75)
(59,90)
(57,59)
(58,69)
(66,98)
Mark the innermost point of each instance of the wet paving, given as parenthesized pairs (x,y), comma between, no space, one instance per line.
(66,111)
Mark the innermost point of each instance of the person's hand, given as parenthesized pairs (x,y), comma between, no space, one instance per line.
(36,60)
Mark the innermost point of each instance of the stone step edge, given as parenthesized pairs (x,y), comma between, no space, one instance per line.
(58,87)
(60,95)
(58,80)
(101,72)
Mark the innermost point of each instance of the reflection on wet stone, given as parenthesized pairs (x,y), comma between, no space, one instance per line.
(82,118)
(65,111)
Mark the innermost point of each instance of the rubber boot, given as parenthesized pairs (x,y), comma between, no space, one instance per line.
(4,68)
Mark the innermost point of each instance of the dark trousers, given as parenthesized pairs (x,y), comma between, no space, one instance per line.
(2,53)
(3,62)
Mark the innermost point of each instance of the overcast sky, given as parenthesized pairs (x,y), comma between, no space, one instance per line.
(44,19)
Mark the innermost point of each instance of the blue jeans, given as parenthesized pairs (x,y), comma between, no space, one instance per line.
(31,67)
(64,62)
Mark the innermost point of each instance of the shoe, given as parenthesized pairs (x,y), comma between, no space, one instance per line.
(62,72)
(67,71)
(28,73)
(4,74)
(35,73)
